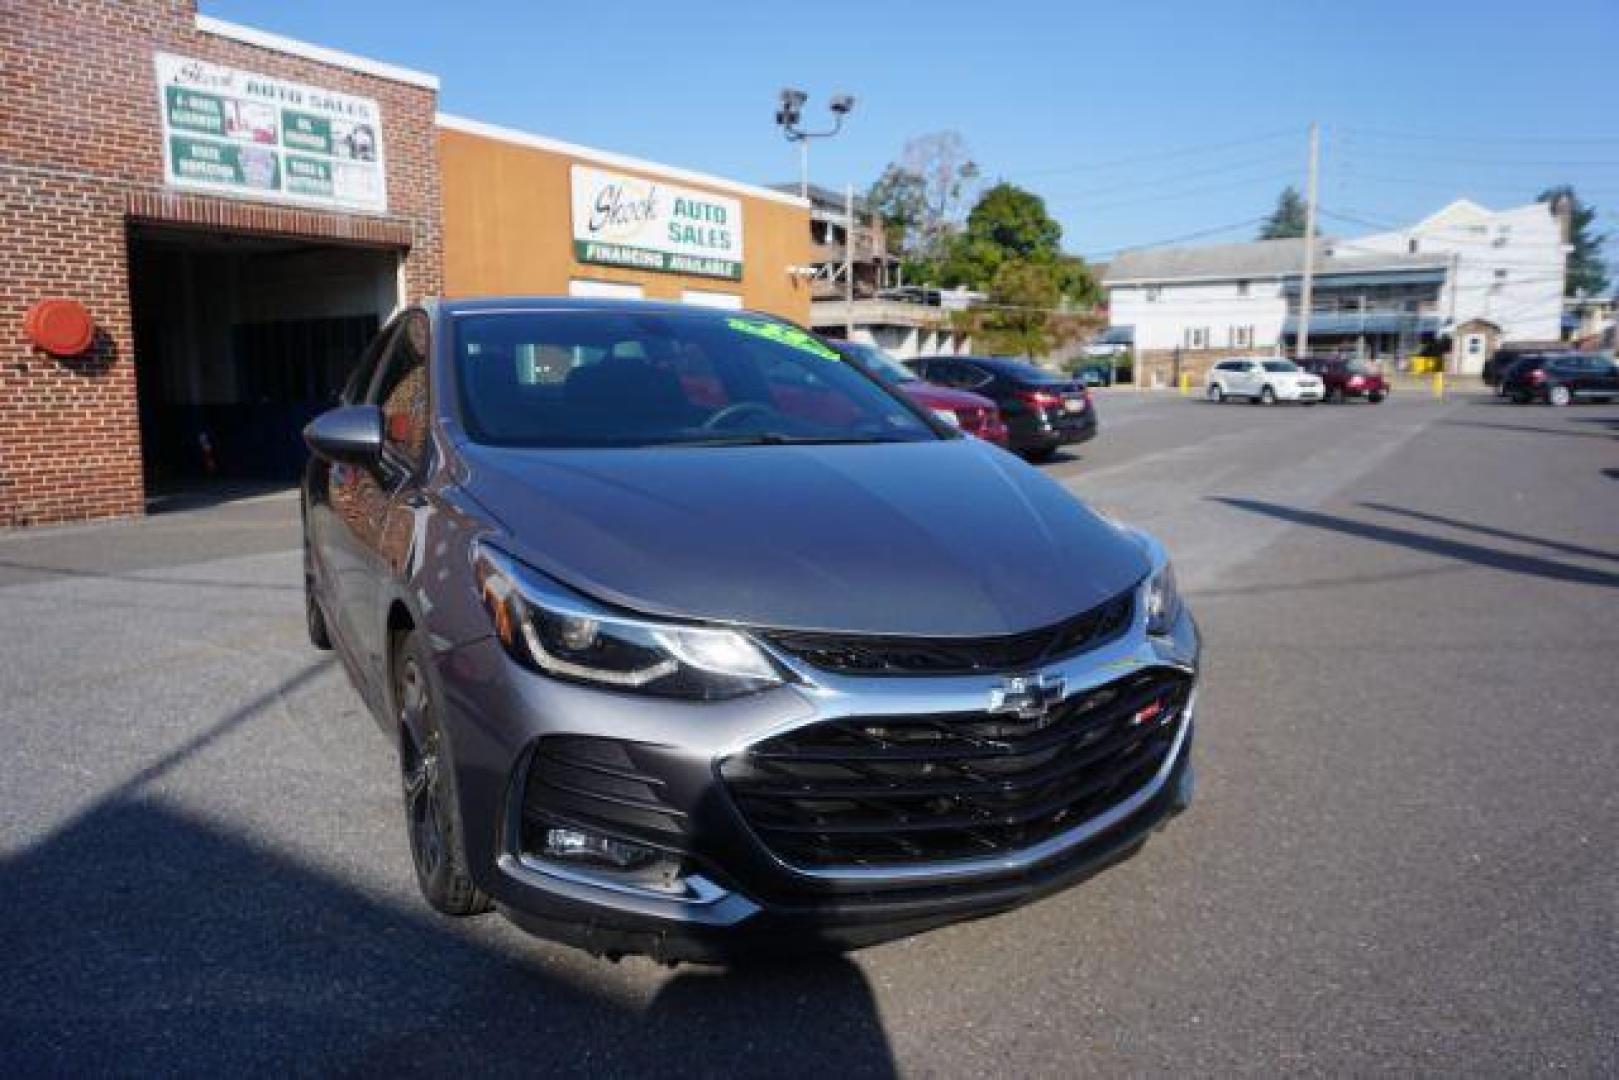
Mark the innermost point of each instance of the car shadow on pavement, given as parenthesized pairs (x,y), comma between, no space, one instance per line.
(142,937)
(21,572)
(1530,430)
(1489,530)
(1492,558)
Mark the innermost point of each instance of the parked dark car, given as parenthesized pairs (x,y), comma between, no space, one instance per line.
(697,641)
(1561,379)
(1345,379)
(1502,360)
(972,413)
(1043,411)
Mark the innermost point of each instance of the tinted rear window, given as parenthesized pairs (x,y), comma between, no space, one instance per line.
(1023,373)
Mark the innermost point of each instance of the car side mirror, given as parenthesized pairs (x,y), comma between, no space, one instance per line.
(351,435)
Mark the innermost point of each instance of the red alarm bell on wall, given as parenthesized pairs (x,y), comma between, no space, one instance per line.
(60,327)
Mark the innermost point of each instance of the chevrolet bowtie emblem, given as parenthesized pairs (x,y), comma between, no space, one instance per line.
(1029,697)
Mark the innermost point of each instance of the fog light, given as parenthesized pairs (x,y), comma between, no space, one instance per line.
(617,863)
(574,845)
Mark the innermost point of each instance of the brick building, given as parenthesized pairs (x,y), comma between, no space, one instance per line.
(102,202)
(237,212)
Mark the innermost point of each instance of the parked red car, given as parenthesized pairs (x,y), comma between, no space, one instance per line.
(972,413)
(1346,379)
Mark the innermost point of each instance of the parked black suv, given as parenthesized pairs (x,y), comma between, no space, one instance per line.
(1500,364)
(697,640)
(1043,411)
(1561,379)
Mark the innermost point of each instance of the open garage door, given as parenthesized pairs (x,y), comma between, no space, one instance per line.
(239,341)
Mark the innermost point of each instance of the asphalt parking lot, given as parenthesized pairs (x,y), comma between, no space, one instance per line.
(1402,857)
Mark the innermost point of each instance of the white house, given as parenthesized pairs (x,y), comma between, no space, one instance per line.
(1480,276)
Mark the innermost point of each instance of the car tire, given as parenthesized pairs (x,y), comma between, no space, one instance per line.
(1040,453)
(432,810)
(314,616)
(1560,396)
(1335,395)
(1374,398)
(1267,396)
(1216,394)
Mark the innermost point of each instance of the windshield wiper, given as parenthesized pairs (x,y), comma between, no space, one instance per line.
(775,438)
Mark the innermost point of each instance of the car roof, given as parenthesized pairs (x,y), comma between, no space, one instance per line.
(472,305)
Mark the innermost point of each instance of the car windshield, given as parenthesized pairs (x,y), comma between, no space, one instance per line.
(609,377)
(1280,365)
(1358,367)
(879,364)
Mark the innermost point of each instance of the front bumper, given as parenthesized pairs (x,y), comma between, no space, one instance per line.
(746,900)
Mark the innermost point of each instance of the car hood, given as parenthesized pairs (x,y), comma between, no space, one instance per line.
(951,538)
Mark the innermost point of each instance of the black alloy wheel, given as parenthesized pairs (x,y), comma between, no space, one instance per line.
(437,847)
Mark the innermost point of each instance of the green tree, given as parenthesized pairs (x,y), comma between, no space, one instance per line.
(919,198)
(1287,220)
(899,199)
(1587,273)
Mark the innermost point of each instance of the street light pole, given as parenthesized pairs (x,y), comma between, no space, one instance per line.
(790,114)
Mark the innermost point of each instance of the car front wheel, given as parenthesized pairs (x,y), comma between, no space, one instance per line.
(1267,396)
(1559,396)
(432,811)
(1216,394)
(314,618)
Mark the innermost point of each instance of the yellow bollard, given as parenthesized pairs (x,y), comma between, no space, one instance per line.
(1439,384)
(1186,383)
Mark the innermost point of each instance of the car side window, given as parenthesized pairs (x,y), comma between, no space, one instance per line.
(365,371)
(969,377)
(401,392)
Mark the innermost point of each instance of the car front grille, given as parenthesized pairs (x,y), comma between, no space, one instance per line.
(871,654)
(867,791)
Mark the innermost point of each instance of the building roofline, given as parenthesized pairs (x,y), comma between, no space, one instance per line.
(264,39)
(468,126)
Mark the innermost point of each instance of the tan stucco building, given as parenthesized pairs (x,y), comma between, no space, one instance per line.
(526,214)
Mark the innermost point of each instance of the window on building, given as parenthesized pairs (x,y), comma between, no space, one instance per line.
(1242,337)
(1153,292)
(1500,275)
(1197,337)
(1243,288)
(1411,245)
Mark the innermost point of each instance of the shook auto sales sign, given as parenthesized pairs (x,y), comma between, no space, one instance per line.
(235,132)
(621,220)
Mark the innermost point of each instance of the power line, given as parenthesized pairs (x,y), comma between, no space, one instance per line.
(1168,196)
(1163,154)
(1132,185)
(1199,235)
(1415,136)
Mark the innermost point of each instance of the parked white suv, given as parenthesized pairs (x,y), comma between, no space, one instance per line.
(1263,381)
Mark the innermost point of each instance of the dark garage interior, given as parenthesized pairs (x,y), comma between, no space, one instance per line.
(240,340)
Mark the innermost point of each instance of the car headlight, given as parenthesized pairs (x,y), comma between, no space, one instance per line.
(559,633)
(1163,601)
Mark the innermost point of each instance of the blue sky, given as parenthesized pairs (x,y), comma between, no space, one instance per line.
(1137,122)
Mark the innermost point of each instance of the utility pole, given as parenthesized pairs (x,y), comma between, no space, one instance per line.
(803,168)
(1455,287)
(1307,293)
(848,263)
